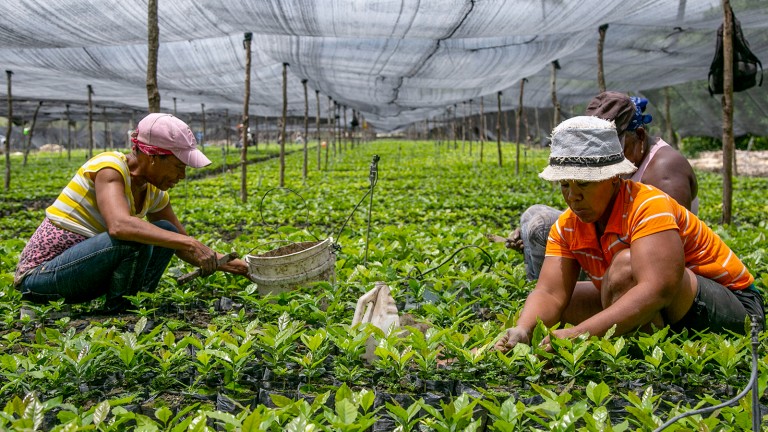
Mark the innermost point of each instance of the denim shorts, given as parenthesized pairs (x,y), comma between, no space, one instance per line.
(719,309)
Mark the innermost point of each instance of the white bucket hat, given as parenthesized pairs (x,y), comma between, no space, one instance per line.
(587,149)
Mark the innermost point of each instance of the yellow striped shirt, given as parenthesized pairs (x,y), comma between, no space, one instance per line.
(76,210)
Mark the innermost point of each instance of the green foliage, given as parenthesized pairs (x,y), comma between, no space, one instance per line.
(160,367)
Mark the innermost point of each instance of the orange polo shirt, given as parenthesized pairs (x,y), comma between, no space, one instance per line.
(641,210)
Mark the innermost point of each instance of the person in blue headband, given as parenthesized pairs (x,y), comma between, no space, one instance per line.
(658,164)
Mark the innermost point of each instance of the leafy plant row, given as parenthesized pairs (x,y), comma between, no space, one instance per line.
(216,354)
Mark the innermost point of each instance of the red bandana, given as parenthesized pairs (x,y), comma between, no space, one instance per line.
(150,149)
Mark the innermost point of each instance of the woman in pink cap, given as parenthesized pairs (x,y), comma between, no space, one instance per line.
(112,230)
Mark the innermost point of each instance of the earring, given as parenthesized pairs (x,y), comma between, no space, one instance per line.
(153,161)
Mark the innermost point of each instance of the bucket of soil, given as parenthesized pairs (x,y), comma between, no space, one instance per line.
(290,266)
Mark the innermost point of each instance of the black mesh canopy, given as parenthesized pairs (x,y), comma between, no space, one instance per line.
(395,62)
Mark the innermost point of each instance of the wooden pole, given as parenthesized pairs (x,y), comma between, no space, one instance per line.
(471,127)
(227,126)
(108,144)
(600,44)
(345,131)
(317,129)
(331,133)
(727,103)
(306,129)
(482,128)
(453,127)
(247,37)
(553,88)
(283,124)
(518,116)
(28,147)
(90,122)
(153,45)
(69,134)
(498,125)
(205,133)
(9,128)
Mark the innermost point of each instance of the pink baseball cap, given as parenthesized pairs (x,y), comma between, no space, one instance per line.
(168,132)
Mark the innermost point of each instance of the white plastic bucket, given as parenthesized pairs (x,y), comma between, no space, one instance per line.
(289,266)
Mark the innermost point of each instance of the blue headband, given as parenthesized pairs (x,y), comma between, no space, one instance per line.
(638,118)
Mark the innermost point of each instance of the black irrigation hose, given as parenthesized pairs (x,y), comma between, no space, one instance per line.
(422,274)
(752,385)
(374,179)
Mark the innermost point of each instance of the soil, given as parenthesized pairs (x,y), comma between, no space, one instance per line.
(751,164)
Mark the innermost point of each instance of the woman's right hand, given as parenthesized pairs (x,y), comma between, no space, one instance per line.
(204,257)
(512,337)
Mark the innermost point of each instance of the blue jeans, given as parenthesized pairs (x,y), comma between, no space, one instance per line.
(100,265)
(535,223)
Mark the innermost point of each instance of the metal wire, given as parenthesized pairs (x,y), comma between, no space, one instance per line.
(261,207)
(752,385)
(421,274)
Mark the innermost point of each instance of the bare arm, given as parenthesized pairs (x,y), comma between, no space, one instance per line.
(672,173)
(110,198)
(546,302)
(658,268)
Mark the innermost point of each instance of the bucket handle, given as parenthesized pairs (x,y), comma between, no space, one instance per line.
(261,207)
(265,244)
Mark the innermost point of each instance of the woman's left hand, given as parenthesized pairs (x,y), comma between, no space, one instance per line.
(236,266)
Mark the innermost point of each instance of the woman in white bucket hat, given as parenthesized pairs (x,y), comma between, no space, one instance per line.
(650,262)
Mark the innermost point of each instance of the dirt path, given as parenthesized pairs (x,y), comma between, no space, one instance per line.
(752,164)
